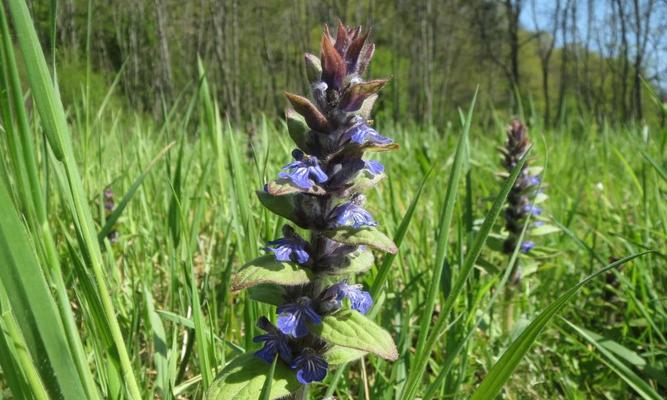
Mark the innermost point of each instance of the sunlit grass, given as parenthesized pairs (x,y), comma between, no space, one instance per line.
(152,314)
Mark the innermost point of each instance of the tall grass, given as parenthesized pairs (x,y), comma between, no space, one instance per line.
(152,315)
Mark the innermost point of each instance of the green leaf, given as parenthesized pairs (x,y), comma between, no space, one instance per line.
(34,307)
(337,355)
(244,377)
(502,370)
(297,128)
(355,263)
(367,106)
(313,67)
(282,187)
(267,293)
(623,371)
(349,328)
(285,206)
(266,388)
(365,180)
(364,236)
(266,269)
(544,230)
(113,218)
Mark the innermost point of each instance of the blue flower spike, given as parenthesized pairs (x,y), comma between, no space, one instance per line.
(320,191)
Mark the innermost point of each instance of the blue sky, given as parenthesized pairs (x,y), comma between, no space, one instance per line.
(539,13)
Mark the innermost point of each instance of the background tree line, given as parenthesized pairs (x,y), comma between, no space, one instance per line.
(554,58)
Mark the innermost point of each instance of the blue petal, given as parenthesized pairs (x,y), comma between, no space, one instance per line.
(282,253)
(527,246)
(301,178)
(374,167)
(266,353)
(311,368)
(302,256)
(318,174)
(312,315)
(362,302)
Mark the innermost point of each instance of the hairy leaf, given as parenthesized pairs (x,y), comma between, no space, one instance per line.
(266,269)
(244,377)
(364,236)
(349,328)
(340,355)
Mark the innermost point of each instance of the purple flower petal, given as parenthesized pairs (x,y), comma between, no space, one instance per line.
(311,367)
(361,133)
(531,209)
(293,317)
(374,167)
(303,171)
(359,300)
(290,248)
(274,342)
(527,246)
(350,214)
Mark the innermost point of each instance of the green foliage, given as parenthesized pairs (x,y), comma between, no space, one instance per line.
(156,307)
(351,329)
(245,377)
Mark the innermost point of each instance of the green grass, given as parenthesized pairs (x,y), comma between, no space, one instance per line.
(153,315)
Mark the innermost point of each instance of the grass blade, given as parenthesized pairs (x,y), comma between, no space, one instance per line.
(417,372)
(502,370)
(623,371)
(34,308)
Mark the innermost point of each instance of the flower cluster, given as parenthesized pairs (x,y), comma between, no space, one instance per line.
(320,191)
(109,206)
(520,201)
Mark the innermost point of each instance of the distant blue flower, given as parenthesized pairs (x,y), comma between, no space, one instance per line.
(310,366)
(303,171)
(527,246)
(360,300)
(292,317)
(374,167)
(537,224)
(274,342)
(531,209)
(532,180)
(289,249)
(361,133)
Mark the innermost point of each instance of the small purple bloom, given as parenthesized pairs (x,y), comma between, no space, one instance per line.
(531,209)
(303,171)
(310,366)
(537,224)
(274,342)
(527,246)
(351,214)
(292,317)
(360,300)
(532,180)
(374,167)
(361,133)
(289,248)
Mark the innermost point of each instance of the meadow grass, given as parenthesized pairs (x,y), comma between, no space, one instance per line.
(152,315)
